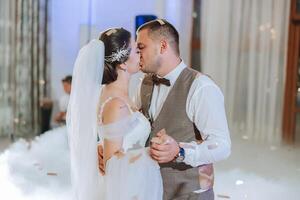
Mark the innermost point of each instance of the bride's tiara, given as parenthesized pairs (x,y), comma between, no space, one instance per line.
(118,55)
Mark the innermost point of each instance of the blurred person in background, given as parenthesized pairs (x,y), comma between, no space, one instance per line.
(60,117)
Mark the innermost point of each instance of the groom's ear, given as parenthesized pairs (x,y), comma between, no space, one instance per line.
(163,46)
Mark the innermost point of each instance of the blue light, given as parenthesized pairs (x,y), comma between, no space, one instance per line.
(142,19)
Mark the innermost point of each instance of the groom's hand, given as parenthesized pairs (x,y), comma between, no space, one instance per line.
(100,159)
(165,150)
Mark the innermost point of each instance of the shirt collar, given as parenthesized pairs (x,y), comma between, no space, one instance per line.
(173,75)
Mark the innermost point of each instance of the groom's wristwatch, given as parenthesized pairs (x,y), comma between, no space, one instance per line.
(180,156)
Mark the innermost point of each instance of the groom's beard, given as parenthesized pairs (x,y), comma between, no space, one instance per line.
(152,68)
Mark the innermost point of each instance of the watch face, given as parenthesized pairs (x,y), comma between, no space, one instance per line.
(180,157)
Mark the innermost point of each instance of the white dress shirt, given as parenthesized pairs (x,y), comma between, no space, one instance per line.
(63,103)
(204,107)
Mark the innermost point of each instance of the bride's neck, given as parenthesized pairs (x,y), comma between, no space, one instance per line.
(122,83)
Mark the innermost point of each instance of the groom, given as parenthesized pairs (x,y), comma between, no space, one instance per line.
(186,110)
(189,109)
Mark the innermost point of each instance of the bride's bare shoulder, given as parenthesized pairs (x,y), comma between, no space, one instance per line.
(114,110)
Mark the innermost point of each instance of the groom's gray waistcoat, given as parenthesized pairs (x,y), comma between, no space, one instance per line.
(178,179)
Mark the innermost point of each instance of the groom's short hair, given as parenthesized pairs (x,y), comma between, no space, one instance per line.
(160,28)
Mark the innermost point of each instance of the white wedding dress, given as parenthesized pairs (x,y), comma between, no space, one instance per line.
(131,174)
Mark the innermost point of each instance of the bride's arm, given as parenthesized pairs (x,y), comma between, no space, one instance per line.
(113,111)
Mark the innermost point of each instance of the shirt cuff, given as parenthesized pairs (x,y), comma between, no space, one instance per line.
(189,151)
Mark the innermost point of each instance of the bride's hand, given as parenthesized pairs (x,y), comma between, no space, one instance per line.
(163,148)
(100,159)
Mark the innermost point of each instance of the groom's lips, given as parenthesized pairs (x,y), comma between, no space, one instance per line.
(141,66)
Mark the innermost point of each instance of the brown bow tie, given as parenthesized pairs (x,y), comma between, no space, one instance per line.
(156,80)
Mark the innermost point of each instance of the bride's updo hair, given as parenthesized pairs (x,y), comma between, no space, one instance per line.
(117,50)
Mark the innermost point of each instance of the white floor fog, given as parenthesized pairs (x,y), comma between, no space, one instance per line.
(259,172)
(39,170)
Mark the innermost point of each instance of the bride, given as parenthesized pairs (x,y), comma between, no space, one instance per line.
(104,112)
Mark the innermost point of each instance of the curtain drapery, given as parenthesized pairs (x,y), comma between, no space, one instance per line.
(23,64)
(244,46)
